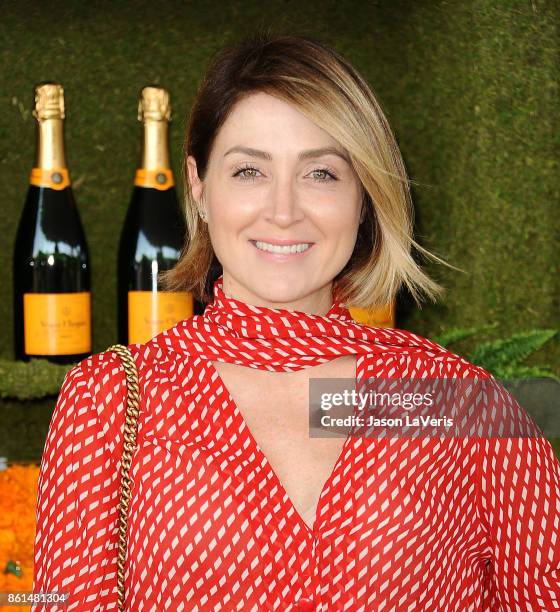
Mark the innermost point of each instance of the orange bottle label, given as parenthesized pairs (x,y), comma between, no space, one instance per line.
(57,323)
(161,179)
(152,312)
(378,317)
(55,178)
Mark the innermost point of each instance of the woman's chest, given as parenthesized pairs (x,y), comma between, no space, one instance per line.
(210,524)
(276,410)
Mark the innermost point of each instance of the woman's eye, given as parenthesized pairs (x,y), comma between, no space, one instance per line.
(327,175)
(246,177)
(247,173)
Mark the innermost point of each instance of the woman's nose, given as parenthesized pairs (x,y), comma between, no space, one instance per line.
(283,206)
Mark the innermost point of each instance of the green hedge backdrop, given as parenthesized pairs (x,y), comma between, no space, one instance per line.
(471,90)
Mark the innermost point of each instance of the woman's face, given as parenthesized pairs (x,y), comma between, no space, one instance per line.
(274,176)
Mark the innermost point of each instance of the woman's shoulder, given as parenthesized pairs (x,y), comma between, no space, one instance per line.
(420,363)
(102,378)
(99,371)
(91,403)
(403,352)
(107,365)
(93,397)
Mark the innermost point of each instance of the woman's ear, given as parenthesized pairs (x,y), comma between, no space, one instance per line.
(194,180)
(365,199)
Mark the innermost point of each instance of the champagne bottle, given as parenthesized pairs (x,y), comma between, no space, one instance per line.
(152,235)
(51,267)
(376,317)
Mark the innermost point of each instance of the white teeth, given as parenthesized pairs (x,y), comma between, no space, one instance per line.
(272,248)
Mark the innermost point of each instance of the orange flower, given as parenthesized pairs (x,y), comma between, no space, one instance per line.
(18,496)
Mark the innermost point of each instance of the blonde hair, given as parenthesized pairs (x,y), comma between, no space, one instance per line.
(324,87)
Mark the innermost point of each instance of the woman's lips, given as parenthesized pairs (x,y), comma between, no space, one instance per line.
(282,256)
(280,242)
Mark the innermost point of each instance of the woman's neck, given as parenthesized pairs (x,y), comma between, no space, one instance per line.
(317,303)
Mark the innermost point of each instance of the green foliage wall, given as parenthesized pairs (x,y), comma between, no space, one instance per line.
(471,90)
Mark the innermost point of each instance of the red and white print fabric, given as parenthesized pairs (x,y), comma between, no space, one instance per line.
(401,524)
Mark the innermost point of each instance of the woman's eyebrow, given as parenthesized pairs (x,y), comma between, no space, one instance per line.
(303,155)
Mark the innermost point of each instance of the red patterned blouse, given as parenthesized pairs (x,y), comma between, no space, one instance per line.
(401,523)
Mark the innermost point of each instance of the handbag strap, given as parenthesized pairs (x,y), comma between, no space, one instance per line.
(130,428)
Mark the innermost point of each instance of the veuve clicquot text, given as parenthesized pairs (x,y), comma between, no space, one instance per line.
(152,235)
(51,266)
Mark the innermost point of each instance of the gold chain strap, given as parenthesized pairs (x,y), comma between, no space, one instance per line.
(130,427)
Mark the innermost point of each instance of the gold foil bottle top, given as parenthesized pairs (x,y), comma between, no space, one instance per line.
(154,104)
(49,101)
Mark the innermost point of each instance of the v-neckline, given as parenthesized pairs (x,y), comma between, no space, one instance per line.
(255,447)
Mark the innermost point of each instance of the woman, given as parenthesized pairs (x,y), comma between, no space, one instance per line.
(235,506)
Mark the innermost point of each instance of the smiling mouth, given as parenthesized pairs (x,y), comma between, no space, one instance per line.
(296,248)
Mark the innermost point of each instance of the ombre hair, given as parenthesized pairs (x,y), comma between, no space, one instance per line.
(324,87)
